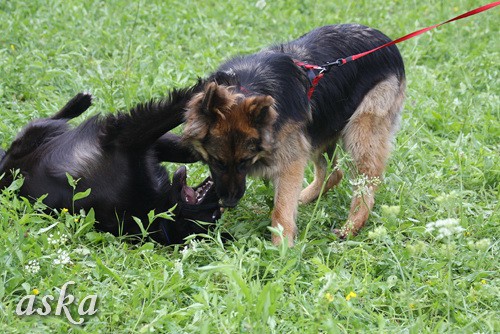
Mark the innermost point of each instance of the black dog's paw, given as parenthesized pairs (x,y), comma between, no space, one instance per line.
(85,100)
(87,96)
(75,107)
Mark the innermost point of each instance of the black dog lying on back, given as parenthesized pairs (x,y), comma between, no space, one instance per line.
(118,158)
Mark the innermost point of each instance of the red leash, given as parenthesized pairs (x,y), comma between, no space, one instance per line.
(341,61)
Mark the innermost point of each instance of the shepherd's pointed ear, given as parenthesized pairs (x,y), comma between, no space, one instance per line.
(216,101)
(205,108)
(210,100)
(212,103)
(261,111)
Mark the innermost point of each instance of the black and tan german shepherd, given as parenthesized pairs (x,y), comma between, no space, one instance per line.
(118,157)
(254,117)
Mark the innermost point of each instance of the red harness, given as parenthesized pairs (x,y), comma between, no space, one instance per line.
(315,78)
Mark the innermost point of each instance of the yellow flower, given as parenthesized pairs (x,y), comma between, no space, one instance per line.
(483,281)
(36,292)
(76,220)
(64,210)
(351,294)
(329,297)
(412,306)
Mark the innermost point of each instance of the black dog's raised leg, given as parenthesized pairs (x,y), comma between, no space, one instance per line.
(75,107)
(142,127)
(170,147)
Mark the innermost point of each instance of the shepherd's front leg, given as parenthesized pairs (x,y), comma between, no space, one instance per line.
(288,185)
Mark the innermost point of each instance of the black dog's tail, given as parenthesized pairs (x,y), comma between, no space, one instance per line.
(75,107)
(147,122)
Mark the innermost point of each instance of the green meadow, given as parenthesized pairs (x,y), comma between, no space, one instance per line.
(427,260)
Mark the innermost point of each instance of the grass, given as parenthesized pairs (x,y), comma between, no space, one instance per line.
(397,276)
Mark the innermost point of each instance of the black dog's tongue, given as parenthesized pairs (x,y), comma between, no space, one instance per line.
(188,194)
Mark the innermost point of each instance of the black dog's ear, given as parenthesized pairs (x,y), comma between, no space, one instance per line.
(178,181)
(2,154)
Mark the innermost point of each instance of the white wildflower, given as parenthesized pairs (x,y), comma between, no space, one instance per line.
(59,239)
(391,210)
(82,251)
(193,244)
(178,267)
(481,245)
(32,267)
(337,247)
(348,227)
(445,228)
(321,214)
(51,240)
(363,184)
(63,239)
(417,248)
(452,197)
(62,257)
(185,251)
(379,233)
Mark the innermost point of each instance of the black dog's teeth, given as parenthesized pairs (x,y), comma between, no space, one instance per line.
(202,190)
(196,195)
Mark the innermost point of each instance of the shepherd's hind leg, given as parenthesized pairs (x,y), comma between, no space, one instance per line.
(312,191)
(368,138)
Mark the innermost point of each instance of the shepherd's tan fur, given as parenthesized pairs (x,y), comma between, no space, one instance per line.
(367,138)
(255,117)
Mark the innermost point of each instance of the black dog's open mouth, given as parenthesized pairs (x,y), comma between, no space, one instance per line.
(198,194)
(194,195)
